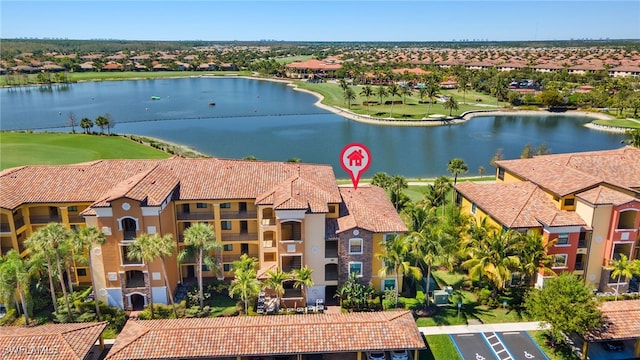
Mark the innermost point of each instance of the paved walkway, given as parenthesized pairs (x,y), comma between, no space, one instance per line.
(465,329)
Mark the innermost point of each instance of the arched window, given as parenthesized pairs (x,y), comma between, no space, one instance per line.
(291,231)
(128,226)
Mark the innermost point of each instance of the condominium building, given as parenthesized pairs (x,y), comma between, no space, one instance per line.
(287,215)
(587,203)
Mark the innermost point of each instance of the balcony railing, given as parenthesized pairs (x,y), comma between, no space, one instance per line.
(239,237)
(292,293)
(44,219)
(135,282)
(235,257)
(579,266)
(268,222)
(195,216)
(19,222)
(76,219)
(225,215)
(127,261)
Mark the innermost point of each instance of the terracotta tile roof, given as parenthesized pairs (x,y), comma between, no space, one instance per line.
(53,341)
(369,208)
(314,64)
(621,321)
(605,195)
(517,205)
(292,185)
(266,335)
(565,174)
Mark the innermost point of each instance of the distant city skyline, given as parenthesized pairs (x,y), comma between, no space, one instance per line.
(321,20)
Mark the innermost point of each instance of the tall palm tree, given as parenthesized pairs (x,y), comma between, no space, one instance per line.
(84,241)
(246,284)
(457,166)
(426,247)
(275,282)
(534,256)
(245,263)
(86,124)
(405,91)
(349,96)
(344,85)
(143,249)
(381,91)
(432,91)
(393,91)
(495,258)
(302,279)
(55,237)
(165,247)
(38,249)
(621,267)
(15,276)
(450,104)
(367,91)
(395,259)
(102,122)
(201,239)
(463,83)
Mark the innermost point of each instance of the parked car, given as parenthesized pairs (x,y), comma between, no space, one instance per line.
(399,355)
(376,355)
(613,345)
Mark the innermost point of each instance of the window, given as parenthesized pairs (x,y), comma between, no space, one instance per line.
(388,284)
(225,206)
(355,267)
(226,225)
(474,207)
(227,247)
(389,237)
(226,267)
(205,268)
(569,202)
(559,261)
(563,239)
(82,272)
(201,205)
(355,246)
(501,173)
(332,209)
(72,209)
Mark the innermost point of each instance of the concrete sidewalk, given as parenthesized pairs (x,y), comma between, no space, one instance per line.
(465,329)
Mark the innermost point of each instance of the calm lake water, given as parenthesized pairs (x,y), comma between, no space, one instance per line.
(273,122)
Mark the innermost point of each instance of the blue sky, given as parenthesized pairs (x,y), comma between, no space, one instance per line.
(304,20)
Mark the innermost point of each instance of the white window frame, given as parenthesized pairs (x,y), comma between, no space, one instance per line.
(353,263)
(563,244)
(566,261)
(474,208)
(361,245)
(382,283)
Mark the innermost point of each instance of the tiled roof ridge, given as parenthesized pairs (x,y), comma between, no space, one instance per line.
(141,332)
(8,171)
(66,344)
(525,203)
(145,174)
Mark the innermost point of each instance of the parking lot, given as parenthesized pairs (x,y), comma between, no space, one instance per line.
(511,345)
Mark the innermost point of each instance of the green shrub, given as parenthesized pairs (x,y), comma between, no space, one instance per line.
(9,317)
(484,295)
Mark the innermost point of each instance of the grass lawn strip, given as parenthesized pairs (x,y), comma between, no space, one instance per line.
(17,149)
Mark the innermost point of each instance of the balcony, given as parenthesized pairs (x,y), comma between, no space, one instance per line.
(268,222)
(18,222)
(235,257)
(579,266)
(195,216)
(76,219)
(227,215)
(44,219)
(240,237)
(5,228)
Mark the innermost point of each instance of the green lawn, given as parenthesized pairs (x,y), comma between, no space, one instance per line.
(130,75)
(623,123)
(559,353)
(412,109)
(18,149)
(440,347)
